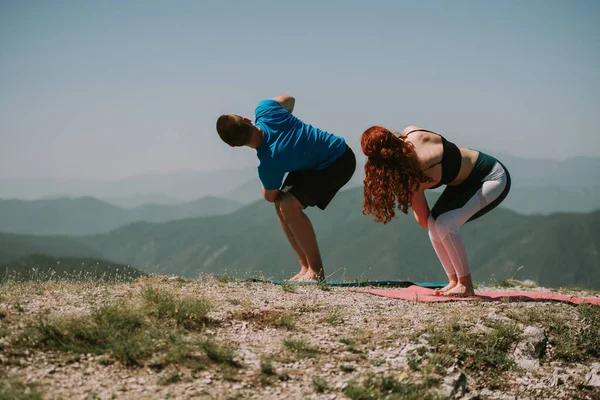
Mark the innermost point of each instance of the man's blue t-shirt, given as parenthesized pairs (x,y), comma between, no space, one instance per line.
(291,145)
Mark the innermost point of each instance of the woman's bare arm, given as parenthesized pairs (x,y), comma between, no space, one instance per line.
(420,207)
(419,202)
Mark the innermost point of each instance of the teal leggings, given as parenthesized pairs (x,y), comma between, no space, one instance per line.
(456,197)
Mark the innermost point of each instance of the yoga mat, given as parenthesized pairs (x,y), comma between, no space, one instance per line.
(404,284)
(422,294)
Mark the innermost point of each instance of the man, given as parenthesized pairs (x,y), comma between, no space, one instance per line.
(318,164)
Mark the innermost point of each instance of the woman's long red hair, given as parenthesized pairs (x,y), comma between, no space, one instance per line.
(392,172)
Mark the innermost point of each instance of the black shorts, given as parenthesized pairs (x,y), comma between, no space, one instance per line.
(319,187)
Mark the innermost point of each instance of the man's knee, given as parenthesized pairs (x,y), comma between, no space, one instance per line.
(277,204)
(288,205)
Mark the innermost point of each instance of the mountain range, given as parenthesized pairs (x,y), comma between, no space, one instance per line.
(181,186)
(554,250)
(539,186)
(559,249)
(87,215)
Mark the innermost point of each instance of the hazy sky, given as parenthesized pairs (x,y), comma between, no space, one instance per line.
(109,89)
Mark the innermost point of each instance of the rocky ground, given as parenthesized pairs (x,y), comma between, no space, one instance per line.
(169,338)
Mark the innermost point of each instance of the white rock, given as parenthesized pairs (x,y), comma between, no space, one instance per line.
(593,377)
(455,383)
(528,351)
(556,378)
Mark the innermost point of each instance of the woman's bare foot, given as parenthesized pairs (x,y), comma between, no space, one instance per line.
(448,287)
(460,290)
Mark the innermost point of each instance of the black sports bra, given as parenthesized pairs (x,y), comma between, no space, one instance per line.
(451,159)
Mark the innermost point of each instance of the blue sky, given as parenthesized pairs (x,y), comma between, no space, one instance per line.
(109,89)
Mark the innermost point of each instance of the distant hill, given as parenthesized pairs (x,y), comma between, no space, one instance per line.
(548,186)
(183,185)
(539,186)
(14,246)
(247,192)
(205,206)
(552,199)
(559,249)
(87,215)
(576,172)
(41,268)
(136,200)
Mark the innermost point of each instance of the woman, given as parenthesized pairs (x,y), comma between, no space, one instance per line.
(400,168)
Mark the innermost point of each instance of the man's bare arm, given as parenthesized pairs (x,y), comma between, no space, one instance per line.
(286,102)
(270,195)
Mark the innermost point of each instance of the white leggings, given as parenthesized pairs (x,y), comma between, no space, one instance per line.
(443,230)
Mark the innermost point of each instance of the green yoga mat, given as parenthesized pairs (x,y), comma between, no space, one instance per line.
(431,285)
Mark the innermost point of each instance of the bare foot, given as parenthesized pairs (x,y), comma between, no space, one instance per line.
(298,276)
(312,276)
(449,286)
(460,290)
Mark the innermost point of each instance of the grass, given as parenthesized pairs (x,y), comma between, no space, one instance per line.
(77,271)
(103,360)
(388,387)
(240,302)
(18,308)
(12,388)
(115,329)
(169,377)
(300,347)
(188,312)
(414,362)
(160,328)
(266,367)
(282,320)
(505,283)
(267,371)
(572,338)
(492,348)
(587,291)
(323,286)
(221,354)
(439,362)
(350,345)
(509,282)
(283,376)
(175,348)
(333,317)
(589,339)
(224,278)
(347,368)
(288,287)
(152,332)
(478,351)
(320,385)
(274,318)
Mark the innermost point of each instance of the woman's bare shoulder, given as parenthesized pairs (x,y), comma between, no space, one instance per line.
(409,129)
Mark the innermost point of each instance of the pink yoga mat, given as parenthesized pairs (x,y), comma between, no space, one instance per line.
(417,293)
